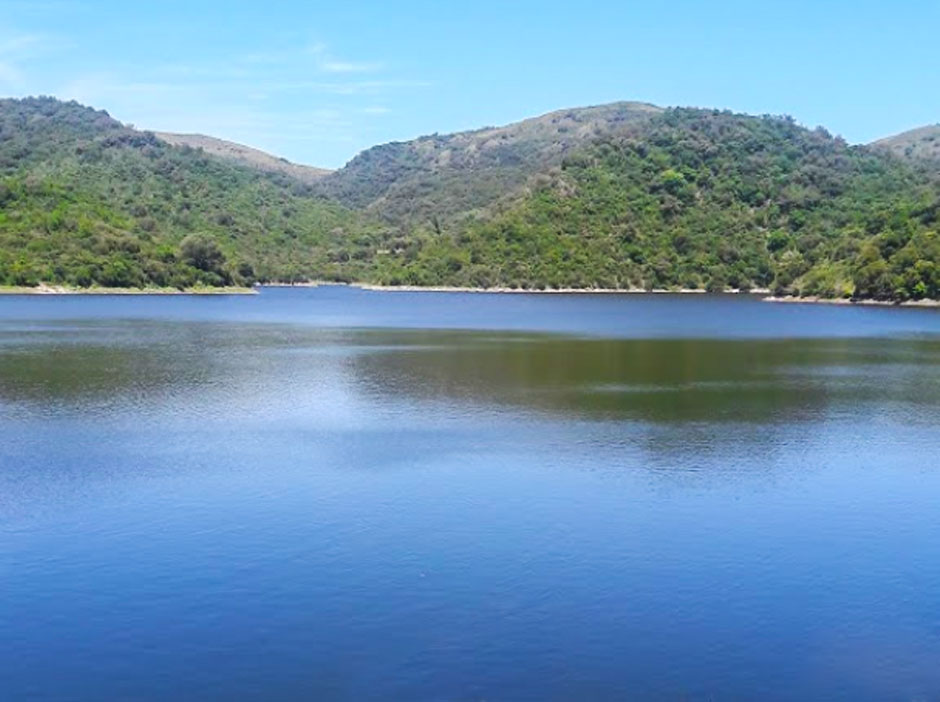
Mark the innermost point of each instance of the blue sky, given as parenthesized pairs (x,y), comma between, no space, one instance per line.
(317,82)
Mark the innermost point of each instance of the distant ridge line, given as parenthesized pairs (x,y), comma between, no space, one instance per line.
(244,154)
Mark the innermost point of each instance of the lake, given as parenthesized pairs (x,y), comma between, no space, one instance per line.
(333,493)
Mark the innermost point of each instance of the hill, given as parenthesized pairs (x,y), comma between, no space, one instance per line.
(619,196)
(85,200)
(439,176)
(920,143)
(701,199)
(245,155)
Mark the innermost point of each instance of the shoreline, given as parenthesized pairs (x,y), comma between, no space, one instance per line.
(523,291)
(43,289)
(763,293)
(812,300)
(520,291)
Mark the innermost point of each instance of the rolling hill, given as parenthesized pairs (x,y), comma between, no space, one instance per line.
(85,200)
(702,199)
(439,176)
(626,195)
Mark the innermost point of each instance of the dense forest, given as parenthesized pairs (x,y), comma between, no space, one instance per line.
(622,196)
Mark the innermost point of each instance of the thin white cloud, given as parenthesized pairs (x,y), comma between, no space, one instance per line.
(328,63)
(17,50)
(358,87)
(265,58)
(349,67)
(26,45)
(216,110)
(270,64)
(104,89)
(11,74)
(43,7)
(295,100)
(95,88)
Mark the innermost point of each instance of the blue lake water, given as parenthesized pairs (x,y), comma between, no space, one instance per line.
(339,494)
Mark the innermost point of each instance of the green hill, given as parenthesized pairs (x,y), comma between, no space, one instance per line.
(435,177)
(618,196)
(85,200)
(699,199)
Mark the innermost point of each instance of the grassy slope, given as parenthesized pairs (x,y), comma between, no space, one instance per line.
(244,155)
(921,143)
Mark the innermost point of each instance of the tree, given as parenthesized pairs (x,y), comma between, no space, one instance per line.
(202,252)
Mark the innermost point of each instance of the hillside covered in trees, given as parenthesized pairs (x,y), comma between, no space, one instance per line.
(87,201)
(698,199)
(438,176)
(620,196)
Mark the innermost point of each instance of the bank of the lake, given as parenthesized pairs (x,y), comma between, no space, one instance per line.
(44,289)
(813,300)
(504,290)
(765,292)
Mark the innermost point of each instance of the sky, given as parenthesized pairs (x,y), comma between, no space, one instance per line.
(317,82)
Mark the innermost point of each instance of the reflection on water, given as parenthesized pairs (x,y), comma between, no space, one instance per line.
(163,367)
(664,380)
(196,505)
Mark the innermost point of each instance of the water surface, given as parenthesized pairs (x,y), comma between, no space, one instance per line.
(340,494)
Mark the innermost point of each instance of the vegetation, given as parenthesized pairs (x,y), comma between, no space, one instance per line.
(442,175)
(620,196)
(87,201)
(699,199)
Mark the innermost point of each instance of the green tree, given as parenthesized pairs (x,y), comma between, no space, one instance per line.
(202,252)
